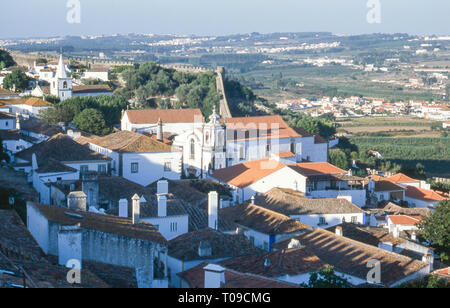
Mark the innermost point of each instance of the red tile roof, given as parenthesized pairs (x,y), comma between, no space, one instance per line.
(423,194)
(247,173)
(405,220)
(308,169)
(401,178)
(151,116)
(268,127)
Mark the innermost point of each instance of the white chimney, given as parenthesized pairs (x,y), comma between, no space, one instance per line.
(339,231)
(159,133)
(428,258)
(123,208)
(162,187)
(294,243)
(253,200)
(214,276)
(396,232)
(136,209)
(213,204)
(162,205)
(414,236)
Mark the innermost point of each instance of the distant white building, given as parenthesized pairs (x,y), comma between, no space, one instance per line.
(100,74)
(139,158)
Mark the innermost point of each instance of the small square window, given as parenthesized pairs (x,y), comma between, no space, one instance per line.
(134,167)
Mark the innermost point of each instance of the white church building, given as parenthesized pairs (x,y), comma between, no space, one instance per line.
(221,143)
(61,85)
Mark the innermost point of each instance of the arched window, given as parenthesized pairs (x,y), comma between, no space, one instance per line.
(293,147)
(192,149)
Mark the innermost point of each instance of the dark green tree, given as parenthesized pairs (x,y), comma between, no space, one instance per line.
(436,228)
(326,278)
(91,121)
(17,79)
(339,159)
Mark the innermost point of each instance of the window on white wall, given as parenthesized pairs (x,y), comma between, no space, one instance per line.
(354,219)
(84,168)
(192,149)
(134,167)
(173,227)
(167,166)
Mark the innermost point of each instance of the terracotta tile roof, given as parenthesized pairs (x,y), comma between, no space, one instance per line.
(401,178)
(319,139)
(51,165)
(5,92)
(385,185)
(310,169)
(38,127)
(6,116)
(268,127)
(103,223)
(283,262)
(423,194)
(131,142)
(92,88)
(151,116)
(394,209)
(186,246)
(289,202)
(350,257)
(286,155)
(369,235)
(247,173)
(195,278)
(405,220)
(12,134)
(61,148)
(262,220)
(30,101)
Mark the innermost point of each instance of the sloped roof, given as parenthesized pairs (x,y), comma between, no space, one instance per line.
(423,194)
(384,185)
(151,116)
(267,127)
(311,169)
(6,116)
(405,220)
(30,101)
(351,257)
(247,173)
(131,142)
(398,210)
(261,219)
(290,262)
(92,88)
(401,178)
(51,165)
(61,148)
(185,247)
(289,202)
(103,223)
(195,277)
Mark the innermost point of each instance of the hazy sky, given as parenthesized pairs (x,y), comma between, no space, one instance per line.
(42,18)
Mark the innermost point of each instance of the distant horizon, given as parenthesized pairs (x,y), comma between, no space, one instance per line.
(221,35)
(27,19)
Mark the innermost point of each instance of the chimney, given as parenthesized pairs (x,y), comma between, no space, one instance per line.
(76,200)
(69,245)
(294,243)
(396,232)
(162,205)
(214,276)
(89,185)
(135,209)
(414,236)
(123,208)
(205,249)
(17,121)
(429,259)
(253,200)
(213,200)
(159,132)
(339,231)
(163,187)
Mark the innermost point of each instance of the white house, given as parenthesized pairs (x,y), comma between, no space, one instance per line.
(97,73)
(261,226)
(398,223)
(318,213)
(139,158)
(422,198)
(71,233)
(32,106)
(7,121)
